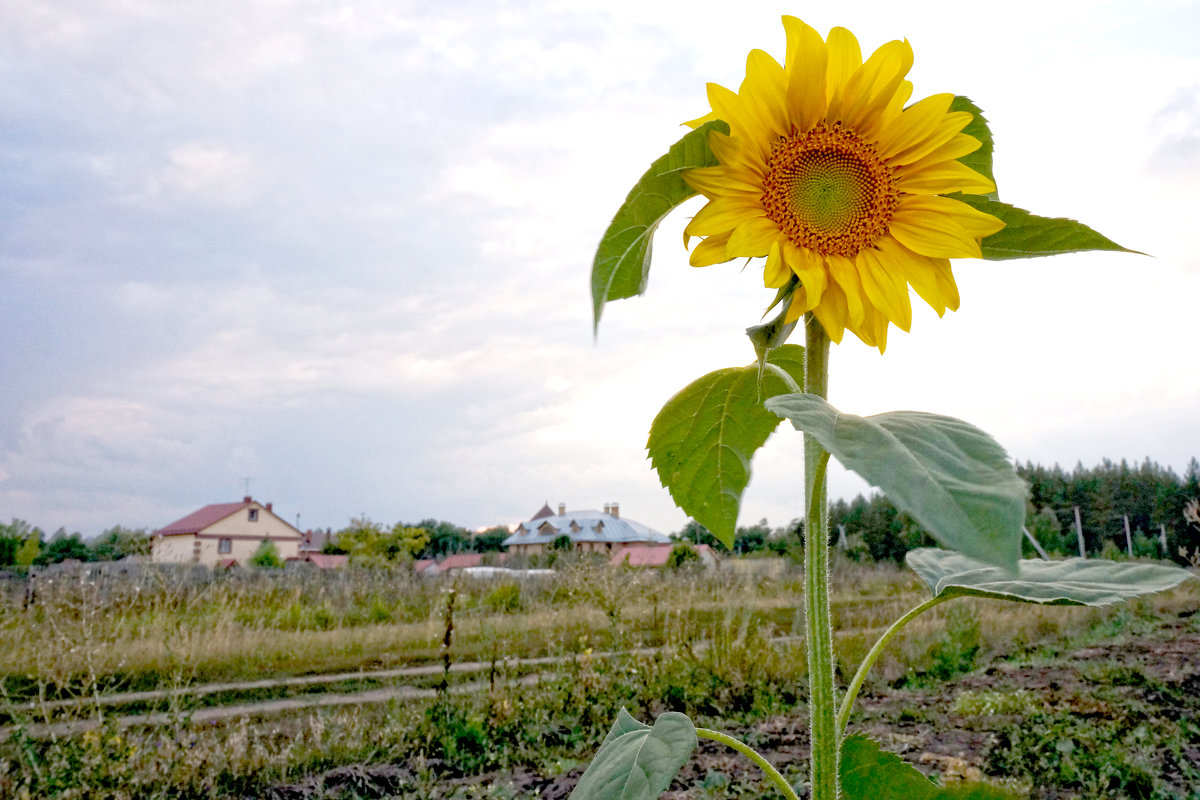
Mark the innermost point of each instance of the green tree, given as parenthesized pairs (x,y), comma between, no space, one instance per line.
(266,556)
(491,540)
(117,543)
(30,550)
(445,538)
(63,546)
(683,554)
(368,544)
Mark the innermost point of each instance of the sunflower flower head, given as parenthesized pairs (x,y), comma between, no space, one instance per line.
(829,175)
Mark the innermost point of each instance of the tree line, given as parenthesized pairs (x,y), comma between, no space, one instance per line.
(1153,500)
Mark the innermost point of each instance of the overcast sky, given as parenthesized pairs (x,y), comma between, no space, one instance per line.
(342,250)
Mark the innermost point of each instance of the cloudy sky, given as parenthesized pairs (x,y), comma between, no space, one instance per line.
(342,250)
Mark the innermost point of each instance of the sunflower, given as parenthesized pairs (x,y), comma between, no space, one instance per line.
(829,176)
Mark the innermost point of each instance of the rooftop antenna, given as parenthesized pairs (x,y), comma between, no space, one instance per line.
(247,492)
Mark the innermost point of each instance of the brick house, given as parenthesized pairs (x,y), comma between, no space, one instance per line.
(224,533)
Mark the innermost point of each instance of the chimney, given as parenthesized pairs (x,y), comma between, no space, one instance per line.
(562,509)
(615,510)
(268,506)
(247,499)
(606,508)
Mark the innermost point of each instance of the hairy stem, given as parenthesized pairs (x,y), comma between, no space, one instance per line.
(861,675)
(823,771)
(773,774)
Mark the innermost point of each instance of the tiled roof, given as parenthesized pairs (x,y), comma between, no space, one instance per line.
(585,526)
(654,555)
(199,520)
(544,511)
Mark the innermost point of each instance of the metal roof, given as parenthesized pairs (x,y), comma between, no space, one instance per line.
(584,526)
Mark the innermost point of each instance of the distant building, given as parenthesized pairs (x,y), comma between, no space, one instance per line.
(588,531)
(224,534)
(657,555)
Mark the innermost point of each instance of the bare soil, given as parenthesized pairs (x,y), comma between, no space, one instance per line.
(1158,674)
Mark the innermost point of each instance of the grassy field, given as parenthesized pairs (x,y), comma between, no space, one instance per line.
(720,646)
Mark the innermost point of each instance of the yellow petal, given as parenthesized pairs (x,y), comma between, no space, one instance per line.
(871,87)
(959,145)
(931,278)
(728,106)
(845,276)
(775,272)
(914,125)
(710,251)
(831,313)
(722,214)
(698,121)
(944,178)
(720,180)
(809,267)
(732,153)
(845,58)
(885,287)
(945,130)
(806,62)
(752,238)
(938,227)
(764,94)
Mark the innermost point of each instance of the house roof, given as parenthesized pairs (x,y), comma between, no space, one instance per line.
(460,560)
(212,514)
(544,511)
(199,520)
(584,526)
(654,555)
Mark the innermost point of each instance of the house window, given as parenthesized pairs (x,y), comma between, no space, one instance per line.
(254,515)
(225,546)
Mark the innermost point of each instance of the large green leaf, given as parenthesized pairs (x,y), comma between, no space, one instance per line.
(981,159)
(636,761)
(1027,235)
(702,440)
(1073,582)
(870,773)
(953,478)
(623,258)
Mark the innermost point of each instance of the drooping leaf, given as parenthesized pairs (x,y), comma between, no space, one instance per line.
(636,761)
(1073,582)
(702,440)
(981,159)
(1027,235)
(622,261)
(951,477)
(870,773)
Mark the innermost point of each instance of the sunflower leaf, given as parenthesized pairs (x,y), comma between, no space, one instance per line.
(951,477)
(637,761)
(703,439)
(981,159)
(622,261)
(1073,582)
(870,773)
(1027,235)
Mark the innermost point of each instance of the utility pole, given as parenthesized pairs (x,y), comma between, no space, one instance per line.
(1128,538)
(1162,537)
(1079,533)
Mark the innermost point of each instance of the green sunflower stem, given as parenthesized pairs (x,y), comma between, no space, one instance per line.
(823,770)
(772,774)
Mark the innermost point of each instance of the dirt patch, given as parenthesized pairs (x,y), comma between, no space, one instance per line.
(1139,683)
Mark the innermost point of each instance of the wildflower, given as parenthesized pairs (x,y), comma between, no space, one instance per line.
(828,176)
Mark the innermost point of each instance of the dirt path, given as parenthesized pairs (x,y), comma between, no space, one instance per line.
(1157,676)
